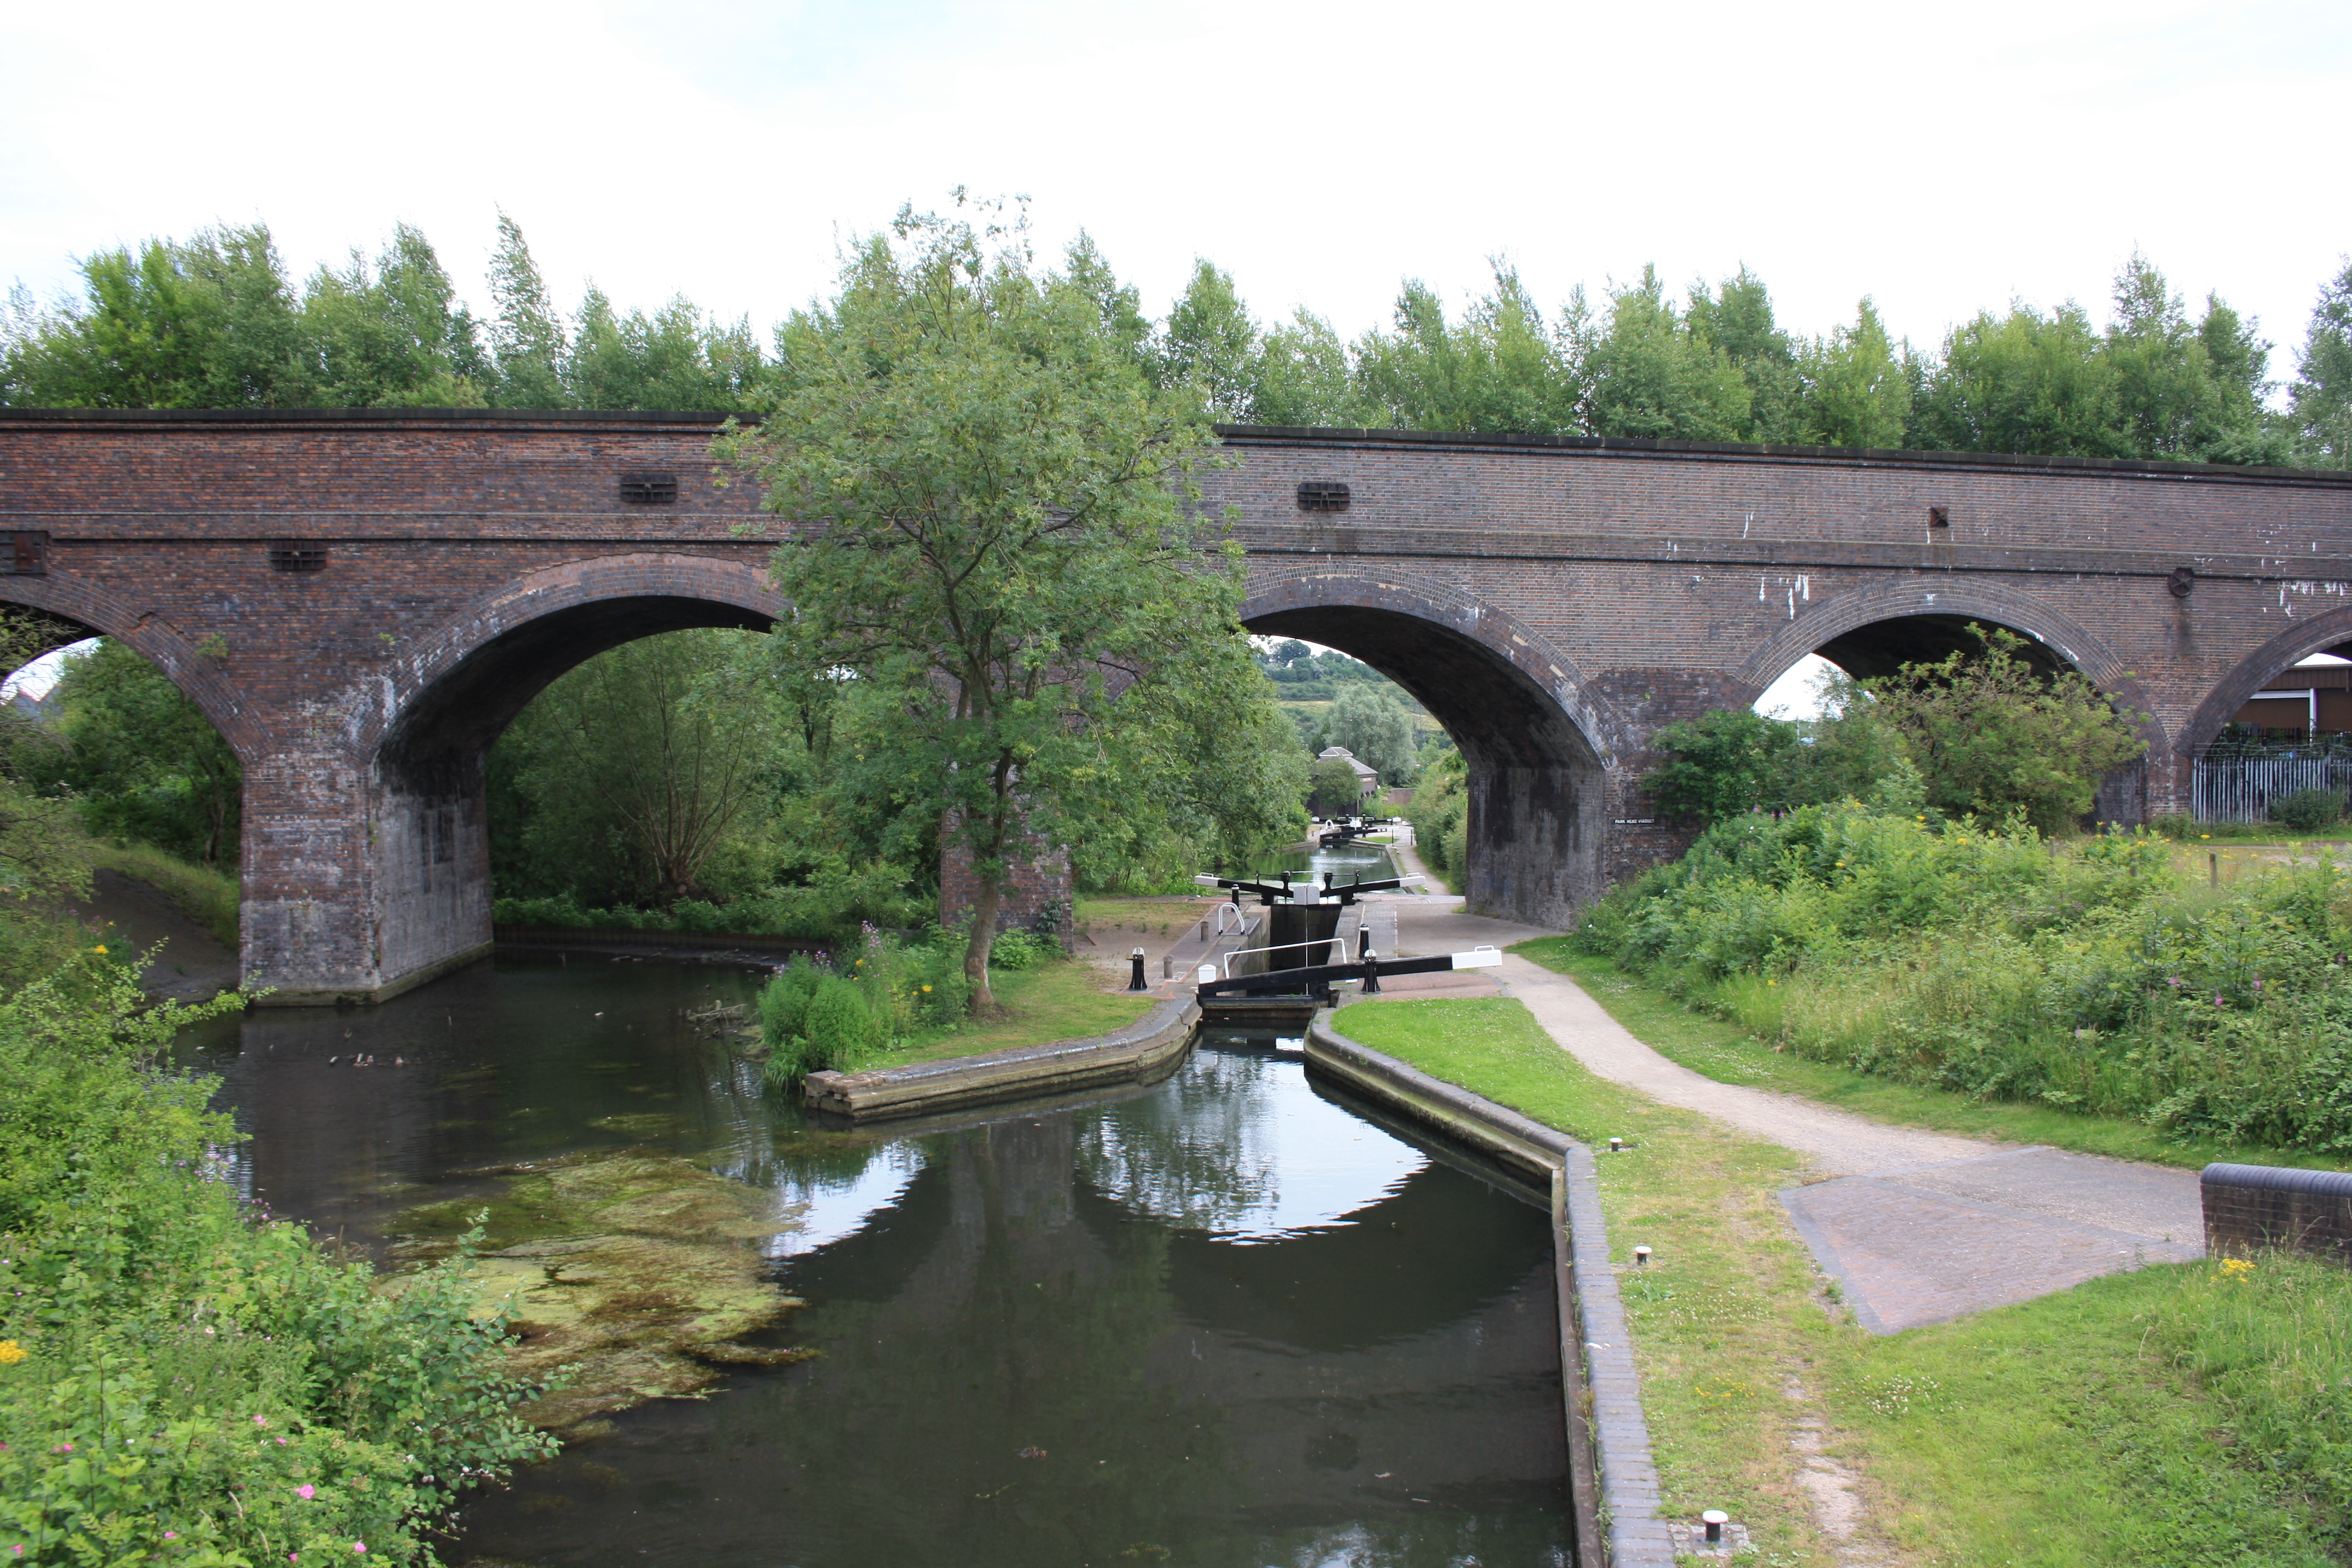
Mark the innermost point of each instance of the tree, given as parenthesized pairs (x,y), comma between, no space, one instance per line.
(1373,724)
(1649,373)
(638,768)
(988,520)
(1504,367)
(1857,385)
(1738,319)
(2022,382)
(1332,788)
(526,337)
(1725,761)
(1211,344)
(1990,734)
(391,334)
(1304,376)
(2322,380)
(143,760)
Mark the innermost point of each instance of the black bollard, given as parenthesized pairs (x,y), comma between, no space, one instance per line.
(1372,973)
(1135,981)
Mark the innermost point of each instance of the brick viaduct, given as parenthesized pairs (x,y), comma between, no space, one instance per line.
(362,600)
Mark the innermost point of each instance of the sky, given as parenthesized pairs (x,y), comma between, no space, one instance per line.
(1942,159)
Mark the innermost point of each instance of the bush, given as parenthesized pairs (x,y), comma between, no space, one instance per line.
(840,1026)
(184,1384)
(1019,950)
(1978,960)
(2308,810)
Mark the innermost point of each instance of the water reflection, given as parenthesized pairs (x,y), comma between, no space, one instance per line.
(1223,1321)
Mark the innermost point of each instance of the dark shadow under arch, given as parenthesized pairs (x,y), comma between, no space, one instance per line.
(1533,737)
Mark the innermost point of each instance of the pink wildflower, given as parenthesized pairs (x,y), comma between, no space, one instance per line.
(306,1491)
(261,1421)
(360,1546)
(171,1535)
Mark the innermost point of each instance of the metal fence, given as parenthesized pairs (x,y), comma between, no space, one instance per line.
(2238,785)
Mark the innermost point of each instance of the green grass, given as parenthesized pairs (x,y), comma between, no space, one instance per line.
(208,897)
(2143,1418)
(1719,1048)
(1053,1002)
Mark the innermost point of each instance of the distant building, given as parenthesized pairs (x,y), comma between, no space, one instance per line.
(2308,699)
(1368,780)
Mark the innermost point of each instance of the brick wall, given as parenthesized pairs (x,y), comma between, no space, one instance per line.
(1553,603)
(2248,1207)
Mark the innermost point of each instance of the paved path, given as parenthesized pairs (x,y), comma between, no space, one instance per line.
(1916,1226)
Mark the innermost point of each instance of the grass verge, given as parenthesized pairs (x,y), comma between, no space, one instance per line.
(2184,1414)
(208,897)
(1053,1002)
(1719,1048)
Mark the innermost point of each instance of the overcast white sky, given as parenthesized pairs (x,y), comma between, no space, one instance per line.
(1942,158)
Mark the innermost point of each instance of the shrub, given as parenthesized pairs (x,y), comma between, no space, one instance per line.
(840,1026)
(2308,810)
(1021,950)
(186,1384)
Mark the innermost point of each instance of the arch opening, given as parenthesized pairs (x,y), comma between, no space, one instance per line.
(428,829)
(1537,783)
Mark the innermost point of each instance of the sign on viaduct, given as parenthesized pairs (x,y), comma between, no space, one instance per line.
(362,600)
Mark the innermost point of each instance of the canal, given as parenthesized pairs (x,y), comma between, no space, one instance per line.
(1227,1320)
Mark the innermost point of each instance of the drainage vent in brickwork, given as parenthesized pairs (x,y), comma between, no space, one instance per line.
(297,555)
(1322,494)
(649,490)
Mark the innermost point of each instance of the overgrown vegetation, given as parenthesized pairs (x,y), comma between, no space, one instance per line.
(1990,961)
(181,1381)
(1440,815)
(2182,1414)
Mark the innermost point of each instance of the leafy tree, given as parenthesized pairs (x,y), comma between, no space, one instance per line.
(987,525)
(527,341)
(1504,367)
(1305,377)
(1725,761)
(391,335)
(2323,381)
(1371,723)
(671,359)
(1857,385)
(2022,382)
(2185,392)
(1988,733)
(1650,374)
(1205,788)
(144,761)
(632,775)
(1333,789)
(1440,813)
(1738,319)
(1085,267)
(1211,343)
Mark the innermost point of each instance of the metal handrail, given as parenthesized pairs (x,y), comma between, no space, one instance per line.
(1241,921)
(1284,947)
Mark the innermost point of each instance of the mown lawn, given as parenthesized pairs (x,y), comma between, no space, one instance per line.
(1053,1002)
(2075,1429)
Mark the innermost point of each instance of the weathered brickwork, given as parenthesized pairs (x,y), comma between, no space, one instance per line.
(1553,603)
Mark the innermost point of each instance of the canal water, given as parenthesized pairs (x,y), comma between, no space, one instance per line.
(1228,1320)
(1346,862)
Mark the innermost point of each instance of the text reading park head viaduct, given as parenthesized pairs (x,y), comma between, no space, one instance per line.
(362,600)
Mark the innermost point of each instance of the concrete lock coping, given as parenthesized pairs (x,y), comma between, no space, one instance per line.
(1613,1473)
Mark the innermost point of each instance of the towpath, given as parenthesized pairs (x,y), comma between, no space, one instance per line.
(1916,1226)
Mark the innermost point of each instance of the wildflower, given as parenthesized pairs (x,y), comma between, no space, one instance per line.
(99,950)
(306,1491)
(171,1535)
(261,1421)
(11,1352)
(927,990)
(2236,1267)
(360,1546)
(281,1442)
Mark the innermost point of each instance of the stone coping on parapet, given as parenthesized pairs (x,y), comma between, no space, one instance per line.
(1145,1050)
(1612,1474)
(1240,435)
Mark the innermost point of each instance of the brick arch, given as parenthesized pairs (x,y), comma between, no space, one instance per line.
(199,680)
(1299,597)
(1538,744)
(483,664)
(1838,614)
(2319,633)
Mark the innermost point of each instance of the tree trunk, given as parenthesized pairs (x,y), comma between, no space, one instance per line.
(975,953)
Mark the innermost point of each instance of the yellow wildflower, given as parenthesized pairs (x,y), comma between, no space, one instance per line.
(11,1352)
(99,950)
(927,990)
(2236,1269)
